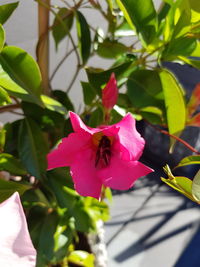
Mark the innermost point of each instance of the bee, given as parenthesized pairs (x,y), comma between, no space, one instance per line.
(103,153)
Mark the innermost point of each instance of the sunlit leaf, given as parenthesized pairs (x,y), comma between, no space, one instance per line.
(11,164)
(111,49)
(2,37)
(7,188)
(4,97)
(140,16)
(53,105)
(188,161)
(81,258)
(20,75)
(174,102)
(196,187)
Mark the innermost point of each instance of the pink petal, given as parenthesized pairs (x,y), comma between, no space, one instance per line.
(110,93)
(121,174)
(78,125)
(67,149)
(84,174)
(16,247)
(131,142)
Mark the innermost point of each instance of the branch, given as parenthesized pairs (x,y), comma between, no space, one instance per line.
(175,137)
(8,108)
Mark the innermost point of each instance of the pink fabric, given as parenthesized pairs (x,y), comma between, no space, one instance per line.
(16,248)
(110,93)
(79,151)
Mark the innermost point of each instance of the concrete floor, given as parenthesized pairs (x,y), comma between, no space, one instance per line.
(150,226)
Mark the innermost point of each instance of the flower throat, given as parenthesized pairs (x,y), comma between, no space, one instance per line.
(103,153)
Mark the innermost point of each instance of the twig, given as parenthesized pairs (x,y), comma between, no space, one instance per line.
(60,63)
(8,108)
(175,137)
(73,79)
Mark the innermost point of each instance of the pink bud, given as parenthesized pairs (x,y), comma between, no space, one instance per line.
(110,93)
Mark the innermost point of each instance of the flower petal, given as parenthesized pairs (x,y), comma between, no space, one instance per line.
(84,175)
(121,174)
(67,149)
(131,142)
(15,243)
(78,125)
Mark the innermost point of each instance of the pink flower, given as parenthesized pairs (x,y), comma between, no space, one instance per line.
(15,243)
(110,93)
(107,156)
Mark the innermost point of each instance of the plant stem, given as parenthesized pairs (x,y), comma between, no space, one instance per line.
(43,46)
(8,108)
(175,137)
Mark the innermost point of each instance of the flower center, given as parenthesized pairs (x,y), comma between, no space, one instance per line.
(103,153)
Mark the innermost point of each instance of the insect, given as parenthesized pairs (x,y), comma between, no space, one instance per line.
(103,153)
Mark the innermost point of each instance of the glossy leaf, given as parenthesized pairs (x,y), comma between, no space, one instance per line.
(83,32)
(7,188)
(111,49)
(96,117)
(181,184)
(45,246)
(88,93)
(53,105)
(4,97)
(11,164)
(64,99)
(2,138)
(140,15)
(196,187)
(182,46)
(20,75)
(193,62)
(174,102)
(152,114)
(81,258)
(145,89)
(62,25)
(188,161)
(32,148)
(2,37)
(6,11)
(98,78)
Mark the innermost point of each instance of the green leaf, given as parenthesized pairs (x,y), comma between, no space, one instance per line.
(20,75)
(46,243)
(32,148)
(182,46)
(98,78)
(140,15)
(145,89)
(61,30)
(81,258)
(152,114)
(4,97)
(111,49)
(189,161)
(96,117)
(6,11)
(2,138)
(181,184)
(11,164)
(174,102)
(64,99)
(193,62)
(84,38)
(53,105)
(7,188)
(88,93)
(2,37)
(196,187)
